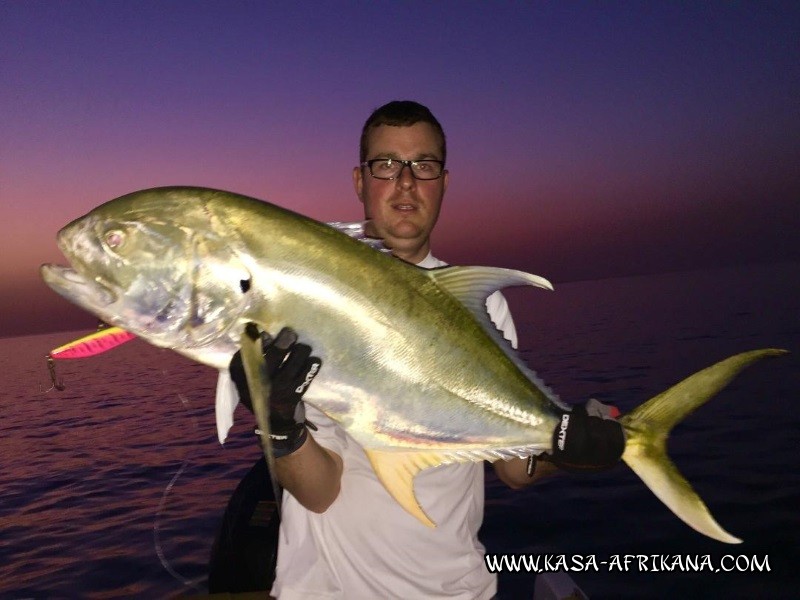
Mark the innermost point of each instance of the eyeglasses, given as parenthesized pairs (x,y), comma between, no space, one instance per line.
(391,168)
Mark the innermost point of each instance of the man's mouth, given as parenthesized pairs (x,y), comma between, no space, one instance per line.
(404,206)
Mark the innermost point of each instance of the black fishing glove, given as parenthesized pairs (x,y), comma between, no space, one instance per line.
(291,369)
(588,438)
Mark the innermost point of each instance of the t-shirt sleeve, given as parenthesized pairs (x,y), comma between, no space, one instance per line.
(497,306)
(328,433)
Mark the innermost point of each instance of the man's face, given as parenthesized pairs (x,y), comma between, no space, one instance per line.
(403,211)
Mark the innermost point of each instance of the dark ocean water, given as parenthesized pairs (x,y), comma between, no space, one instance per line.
(89,507)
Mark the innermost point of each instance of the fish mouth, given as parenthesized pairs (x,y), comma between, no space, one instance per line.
(86,292)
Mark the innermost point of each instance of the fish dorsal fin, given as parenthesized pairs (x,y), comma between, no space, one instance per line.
(473,285)
(357,231)
(396,471)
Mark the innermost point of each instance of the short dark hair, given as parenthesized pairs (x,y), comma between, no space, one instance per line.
(400,113)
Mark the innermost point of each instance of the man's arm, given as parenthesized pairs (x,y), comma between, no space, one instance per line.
(312,474)
(514,472)
(308,471)
(588,438)
(596,440)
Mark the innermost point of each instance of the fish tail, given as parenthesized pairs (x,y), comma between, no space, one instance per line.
(648,426)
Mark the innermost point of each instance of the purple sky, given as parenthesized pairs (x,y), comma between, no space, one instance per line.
(585,140)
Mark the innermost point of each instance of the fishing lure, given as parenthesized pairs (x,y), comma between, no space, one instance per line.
(95,343)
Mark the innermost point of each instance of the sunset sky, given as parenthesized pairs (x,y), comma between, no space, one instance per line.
(585,140)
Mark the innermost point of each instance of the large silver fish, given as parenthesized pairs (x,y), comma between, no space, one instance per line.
(413,368)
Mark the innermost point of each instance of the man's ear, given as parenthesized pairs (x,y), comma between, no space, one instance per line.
(358,182)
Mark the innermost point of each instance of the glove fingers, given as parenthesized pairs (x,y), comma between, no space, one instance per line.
(275,353)
(595,408)
(286,338)
(295,363)
(310,370)
(236,369)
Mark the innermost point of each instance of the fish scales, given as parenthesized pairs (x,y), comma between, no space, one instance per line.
(395,345)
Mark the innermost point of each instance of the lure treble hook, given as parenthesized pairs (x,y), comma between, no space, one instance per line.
(51,367)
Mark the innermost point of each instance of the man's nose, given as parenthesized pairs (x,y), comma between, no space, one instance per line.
(405,179)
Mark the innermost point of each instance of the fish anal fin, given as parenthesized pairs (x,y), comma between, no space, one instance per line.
(396,471)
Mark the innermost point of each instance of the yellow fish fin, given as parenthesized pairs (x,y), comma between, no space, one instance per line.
(396,471)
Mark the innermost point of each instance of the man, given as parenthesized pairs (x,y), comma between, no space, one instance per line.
(342,535)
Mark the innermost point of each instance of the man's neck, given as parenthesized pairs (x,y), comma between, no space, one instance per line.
(413,255)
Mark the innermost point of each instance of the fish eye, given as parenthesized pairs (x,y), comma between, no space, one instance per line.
(114,238)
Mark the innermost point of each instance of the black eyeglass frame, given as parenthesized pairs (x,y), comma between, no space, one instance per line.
(405,163)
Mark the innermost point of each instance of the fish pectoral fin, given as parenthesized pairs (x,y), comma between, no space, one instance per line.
(647,428)
(396,471)
(259,386)
(225,402)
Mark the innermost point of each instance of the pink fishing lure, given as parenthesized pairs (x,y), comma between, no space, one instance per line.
(94,343)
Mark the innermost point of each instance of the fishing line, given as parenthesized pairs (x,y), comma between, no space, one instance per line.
(98,342)
(163,503)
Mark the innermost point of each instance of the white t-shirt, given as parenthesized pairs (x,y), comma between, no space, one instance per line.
(365,546)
